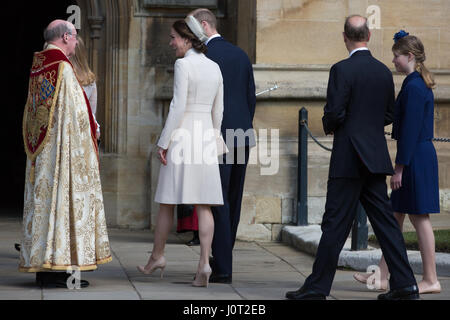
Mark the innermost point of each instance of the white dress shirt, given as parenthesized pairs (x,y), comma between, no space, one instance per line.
(357,49)
(212,37)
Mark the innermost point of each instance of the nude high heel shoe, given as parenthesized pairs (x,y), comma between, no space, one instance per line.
(361,277)
(364,277)
(202,277)
(158,264)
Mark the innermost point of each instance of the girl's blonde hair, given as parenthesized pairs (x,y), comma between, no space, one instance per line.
(80,64)
(413,44)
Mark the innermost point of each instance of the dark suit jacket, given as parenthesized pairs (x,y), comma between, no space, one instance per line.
(238,86)
(360,102)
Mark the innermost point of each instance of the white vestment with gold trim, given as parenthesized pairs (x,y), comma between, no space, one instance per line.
(64,222)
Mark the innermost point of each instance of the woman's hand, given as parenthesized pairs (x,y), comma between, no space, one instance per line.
(396,179)
(162,155)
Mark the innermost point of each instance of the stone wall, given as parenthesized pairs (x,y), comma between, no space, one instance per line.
(296,43)
(310,31)
(129,168)
(279,110)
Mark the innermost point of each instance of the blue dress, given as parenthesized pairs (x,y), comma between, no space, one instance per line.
(413,130)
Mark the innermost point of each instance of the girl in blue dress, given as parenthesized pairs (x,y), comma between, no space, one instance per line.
(415,185)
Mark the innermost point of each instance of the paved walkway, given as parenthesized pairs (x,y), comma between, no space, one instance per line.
(263,271)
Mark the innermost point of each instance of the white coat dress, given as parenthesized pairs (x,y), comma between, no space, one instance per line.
(192,175)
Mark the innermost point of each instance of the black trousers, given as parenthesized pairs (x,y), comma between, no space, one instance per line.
(343,195)
(226,217)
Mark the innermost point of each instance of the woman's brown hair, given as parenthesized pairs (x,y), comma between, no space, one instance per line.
(183,30)
(413,44)
(80,64)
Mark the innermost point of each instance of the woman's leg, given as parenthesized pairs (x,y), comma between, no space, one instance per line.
(425,236)
(384,271)
(164,224)
(206,232)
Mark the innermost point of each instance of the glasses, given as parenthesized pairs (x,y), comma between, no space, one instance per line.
(72,35)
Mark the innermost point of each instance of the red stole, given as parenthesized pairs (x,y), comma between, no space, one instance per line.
(43,90)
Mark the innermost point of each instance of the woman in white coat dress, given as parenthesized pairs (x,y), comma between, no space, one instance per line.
(188,147)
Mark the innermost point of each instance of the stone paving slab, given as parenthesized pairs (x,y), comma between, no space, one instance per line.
(262,271)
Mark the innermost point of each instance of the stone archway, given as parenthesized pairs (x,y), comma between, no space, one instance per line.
(105,30)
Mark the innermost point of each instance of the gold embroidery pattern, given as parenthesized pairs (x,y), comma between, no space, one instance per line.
(40,107)
(64,221)
(38,61)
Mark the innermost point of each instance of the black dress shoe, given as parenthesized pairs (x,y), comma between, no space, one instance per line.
(193,242)
(17,246)
(407,293)
(212,264)
(305,294)
(56,280)
(220,278)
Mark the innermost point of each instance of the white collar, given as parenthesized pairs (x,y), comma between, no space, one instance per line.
(212,37)
(358,49)
(48,46)
(191,51)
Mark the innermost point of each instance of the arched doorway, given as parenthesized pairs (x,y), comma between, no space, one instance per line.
(24,26)
(104,27)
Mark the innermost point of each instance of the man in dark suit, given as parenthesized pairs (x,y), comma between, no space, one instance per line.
(237,130)
(360,102)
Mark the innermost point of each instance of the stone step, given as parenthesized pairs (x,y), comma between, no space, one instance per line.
(306,239)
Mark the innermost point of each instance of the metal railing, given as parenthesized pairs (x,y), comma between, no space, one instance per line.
(434,139)
(360,228)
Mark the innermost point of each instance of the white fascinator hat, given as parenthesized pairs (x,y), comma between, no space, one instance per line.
(196,28)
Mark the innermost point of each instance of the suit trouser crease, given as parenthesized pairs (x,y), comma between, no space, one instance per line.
(226,217)
(343,195)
